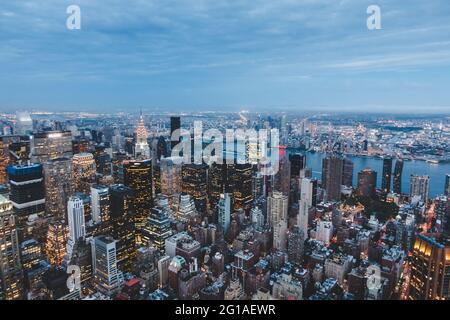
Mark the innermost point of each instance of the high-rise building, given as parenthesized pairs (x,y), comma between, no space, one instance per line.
(447,185)
(430,269)
(219,182)
(157,229)
(138,177)
(398,171)
(280,235)
(296,239)
(171,182)
(100,203)
(195,183)
(298,163)
(122,224)
(242,181)
(224,212)
(76,222)
(51,145)
(277,208)
(107,276)
(56,244)
(347,172)
(324,231)
(142,149)
(175,124)
(257,217)
(303,218)
(332,167)
(387,176)
(308,191)
(24,123)
(26,191)
(420,186)
(4,160)
(83,167)
(11,275)
(58,186)
(367,181)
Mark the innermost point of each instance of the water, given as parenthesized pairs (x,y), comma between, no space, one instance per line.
(436,172)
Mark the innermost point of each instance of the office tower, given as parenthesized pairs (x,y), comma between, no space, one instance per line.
(51,145)
(156,173)
(26,191)
(257,217)
(447,185)
(10,268)
(281,180)
(82,257)
(367,181)
(175,124)
(103,162)
(332,167)
(347,172)
(58,186)
(80,145)
(138,177)
(280,235)
(76,223)
(4,160)
(303,217)
(298,162)
(308,191)
(30,254)
(195,183)
(219,182)
(420,186)
(387,175)
(171,184)
(24,123)
(224,212)
(157,229)
(100,203)
(277,208)
(107,276)
(56,244)
(398,170)
(83,167)
(142,149)
(430,269)
(186,211)
(296,239)
(324,231)
(242,181)
(258,186)
(122,224)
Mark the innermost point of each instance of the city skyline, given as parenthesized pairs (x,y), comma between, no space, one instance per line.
(288,55)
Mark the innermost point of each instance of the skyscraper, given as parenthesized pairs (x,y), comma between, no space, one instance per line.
(100,203)
(308,192)
(107,276)
(367,181)
(26,191)
(195,183)
(332,167)
(398,171)
(83,167)
(387,175)
(56,244)
(51,145)
(224,212)
(347,172)
(138,177)
(157,229)
(296,239)
(420,186)
(175,124)
(242,191)
(430,269)
(77,228)
(142,149)
(58,186)
(10,268)
(447,185)
(277,208)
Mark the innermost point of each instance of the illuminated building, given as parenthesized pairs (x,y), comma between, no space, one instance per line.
(242,191)
(31,254)
(430,269)
(163,269)
(367,182)
(157,229)
(26,191)
(387,176)
(58,186)
(10,268)
(142,149)
(103,162)
(332,167)
(55,246)
(171,184)
(77,228)
(277,208)
(224,212)
(4,160)
(219,182)
(420,186)
(398,171)
(51,145)
(195,183)
(186,211)
(100,203)
(82,257)
(138,177)
(107,276)
(122,224)
(258,186)
(83,166)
